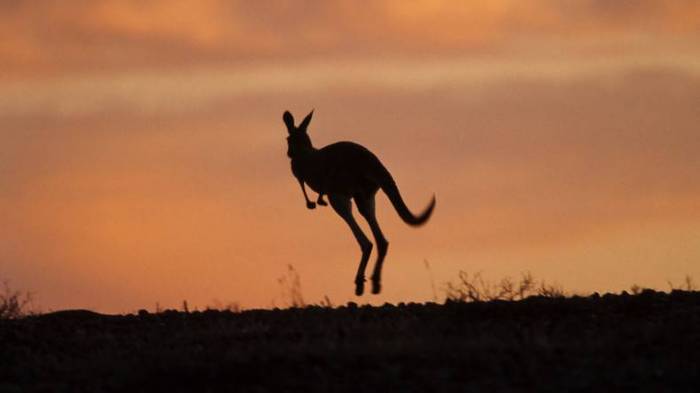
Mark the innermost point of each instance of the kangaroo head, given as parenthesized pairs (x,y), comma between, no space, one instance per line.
(298,139)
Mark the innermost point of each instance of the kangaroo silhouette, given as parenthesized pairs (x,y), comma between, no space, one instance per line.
(345,171)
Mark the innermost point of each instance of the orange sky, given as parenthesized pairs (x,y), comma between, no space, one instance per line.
(142,153)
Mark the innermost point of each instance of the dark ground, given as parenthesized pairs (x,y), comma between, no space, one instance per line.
(648,342)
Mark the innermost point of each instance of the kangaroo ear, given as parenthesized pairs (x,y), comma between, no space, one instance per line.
(305,123)
(289,121)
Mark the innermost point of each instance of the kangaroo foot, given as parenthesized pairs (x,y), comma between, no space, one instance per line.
(310,205)
(359,286)
(376,285)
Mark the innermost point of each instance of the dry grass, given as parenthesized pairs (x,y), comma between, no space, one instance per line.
(474,288)
(687,285)
(290,287)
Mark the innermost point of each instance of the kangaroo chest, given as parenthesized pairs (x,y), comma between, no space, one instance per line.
(308,171)
(332,177)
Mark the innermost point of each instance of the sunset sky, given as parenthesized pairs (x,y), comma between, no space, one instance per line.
(142,148)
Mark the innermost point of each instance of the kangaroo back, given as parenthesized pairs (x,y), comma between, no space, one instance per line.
(388,185)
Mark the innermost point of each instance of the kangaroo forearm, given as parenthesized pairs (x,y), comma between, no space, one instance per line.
(320,200)
(309,204)
(303,190)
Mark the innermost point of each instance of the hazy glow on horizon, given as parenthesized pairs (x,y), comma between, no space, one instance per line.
(143,153)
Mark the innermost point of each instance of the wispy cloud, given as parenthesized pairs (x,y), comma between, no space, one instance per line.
(59,37)
(196,90)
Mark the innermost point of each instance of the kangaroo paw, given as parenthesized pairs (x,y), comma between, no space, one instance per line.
(310,205)
(322,202)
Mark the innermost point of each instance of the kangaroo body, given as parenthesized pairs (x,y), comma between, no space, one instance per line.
(346,171)
(343,168)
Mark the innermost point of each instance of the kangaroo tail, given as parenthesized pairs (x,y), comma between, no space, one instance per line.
(389,187)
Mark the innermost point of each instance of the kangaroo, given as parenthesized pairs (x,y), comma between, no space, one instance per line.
(345,171)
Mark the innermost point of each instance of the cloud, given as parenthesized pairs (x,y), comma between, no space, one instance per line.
(59,37)
(169,92)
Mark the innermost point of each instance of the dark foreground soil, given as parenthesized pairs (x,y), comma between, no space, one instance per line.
(648,342)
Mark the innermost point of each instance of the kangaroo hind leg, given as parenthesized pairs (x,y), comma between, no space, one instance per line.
(343,207)
(365,204)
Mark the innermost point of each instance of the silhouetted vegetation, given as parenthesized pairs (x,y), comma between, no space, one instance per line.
(290,287)
(647,342)
(474,288)
(14,303)
(687,285)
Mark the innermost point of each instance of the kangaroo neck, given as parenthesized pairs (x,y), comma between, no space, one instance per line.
(305,154)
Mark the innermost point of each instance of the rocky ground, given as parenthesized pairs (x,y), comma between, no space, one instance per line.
(648,342)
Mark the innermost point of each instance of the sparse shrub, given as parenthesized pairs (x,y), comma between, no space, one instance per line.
(233,307)
(550,290)
(13,303)
(473,288)
(469,288)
